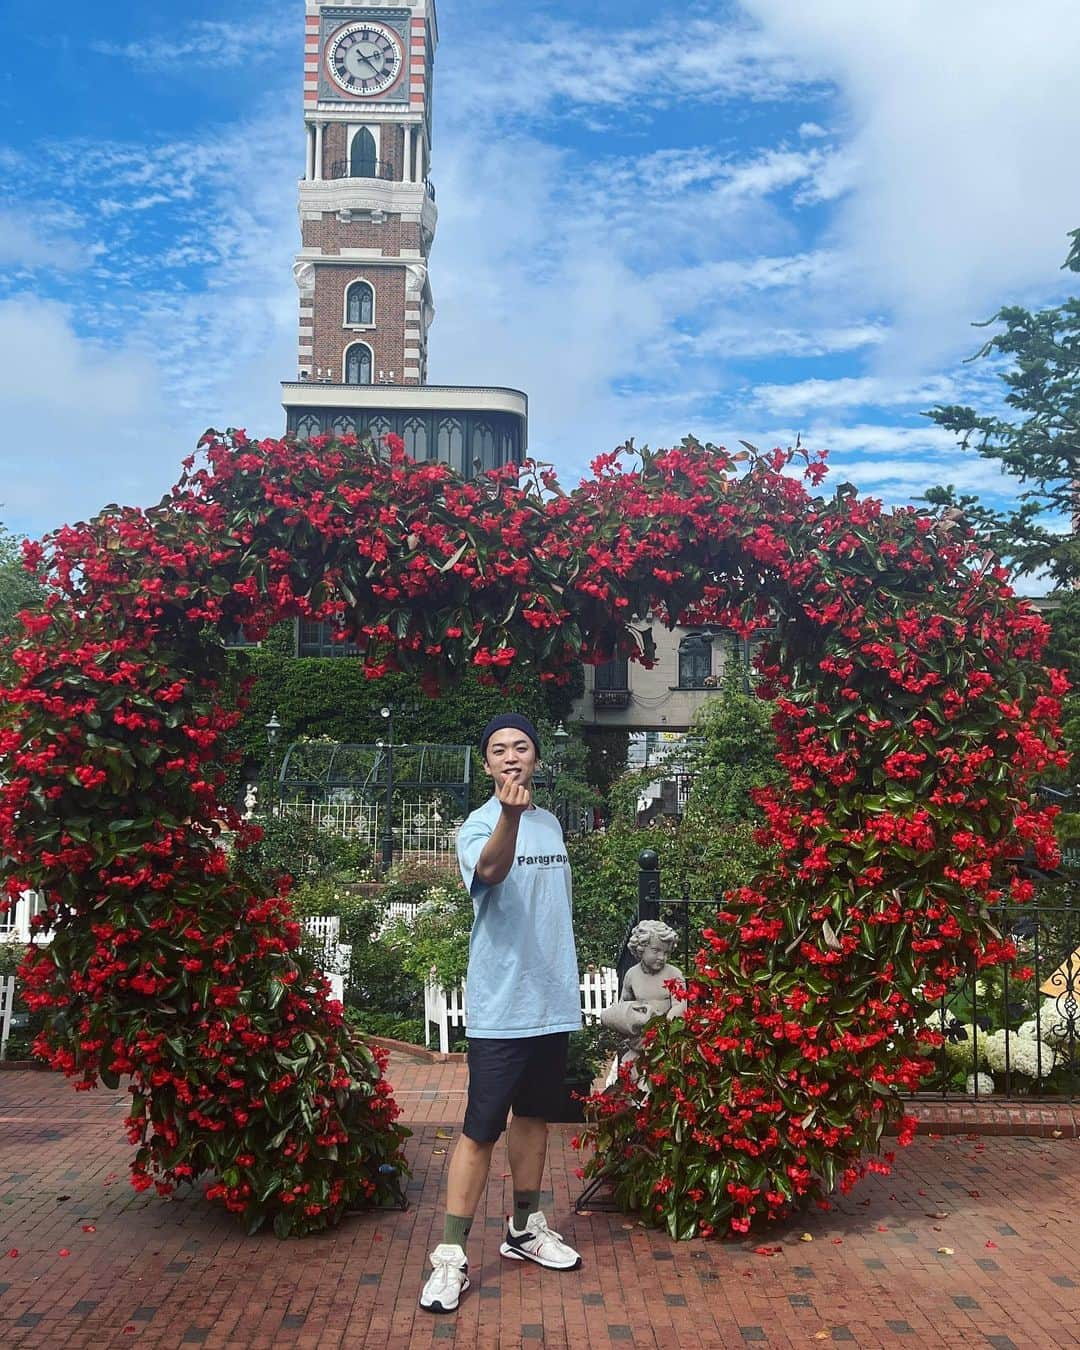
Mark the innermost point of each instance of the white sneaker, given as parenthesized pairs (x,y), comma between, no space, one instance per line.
(537,1242)
(448,1280)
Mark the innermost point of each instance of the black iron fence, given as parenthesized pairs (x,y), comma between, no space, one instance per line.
(1008,1032)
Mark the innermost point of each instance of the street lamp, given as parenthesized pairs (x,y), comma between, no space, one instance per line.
(273,732)
(388,808)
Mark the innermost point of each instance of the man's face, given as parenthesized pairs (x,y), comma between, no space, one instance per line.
(510,757)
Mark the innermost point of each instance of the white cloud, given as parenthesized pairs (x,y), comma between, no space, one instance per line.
(30,239)
(958,113)
(207,42)
(78,418)
(105,396)
(867,391)
(663,62)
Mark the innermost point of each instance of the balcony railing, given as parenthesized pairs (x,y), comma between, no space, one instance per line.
(611,698)
(371,168)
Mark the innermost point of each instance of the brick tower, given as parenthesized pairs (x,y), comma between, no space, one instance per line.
(367,220)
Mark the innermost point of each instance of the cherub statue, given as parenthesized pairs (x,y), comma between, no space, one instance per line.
(644,993)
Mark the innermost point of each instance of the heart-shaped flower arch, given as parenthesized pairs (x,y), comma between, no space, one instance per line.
(911,712)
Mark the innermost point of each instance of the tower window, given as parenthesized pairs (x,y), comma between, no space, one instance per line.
(360,303)
(695,661)
(358,364)
(363,160)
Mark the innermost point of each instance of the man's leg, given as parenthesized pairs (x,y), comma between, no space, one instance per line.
(465,1184)
(494,1070)
(526,1143)
(529,1237)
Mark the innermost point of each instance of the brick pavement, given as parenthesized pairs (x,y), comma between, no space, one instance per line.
(179,1273)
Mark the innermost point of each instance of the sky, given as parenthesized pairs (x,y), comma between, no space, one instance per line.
(746,220)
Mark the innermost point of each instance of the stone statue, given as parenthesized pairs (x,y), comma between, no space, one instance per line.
(644,994)
(251,797)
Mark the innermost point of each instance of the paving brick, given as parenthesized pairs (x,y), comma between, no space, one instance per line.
(182,1273)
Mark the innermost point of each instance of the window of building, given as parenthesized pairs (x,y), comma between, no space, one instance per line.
(236,638)
(315,639)
(378,429)
(363,158)
(612,675)
(483,447)
(451,442)
(344,424)
(308,426)
(416,436)
(695,661)
(358,364)
(360,303)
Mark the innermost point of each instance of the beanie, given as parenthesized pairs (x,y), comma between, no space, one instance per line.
(502,722)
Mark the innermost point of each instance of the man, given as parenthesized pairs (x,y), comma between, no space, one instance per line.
(523,1001)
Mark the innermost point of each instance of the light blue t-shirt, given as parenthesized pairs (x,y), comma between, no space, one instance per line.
(523,975)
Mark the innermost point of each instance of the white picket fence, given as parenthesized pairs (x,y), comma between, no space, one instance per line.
(446,1008)
(7,1005)
(334,957)
(15,921)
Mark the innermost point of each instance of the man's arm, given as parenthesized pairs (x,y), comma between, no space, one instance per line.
(497,856)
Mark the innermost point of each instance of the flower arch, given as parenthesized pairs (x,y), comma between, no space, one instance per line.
(911,710)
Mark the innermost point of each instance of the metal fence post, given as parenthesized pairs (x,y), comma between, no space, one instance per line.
(648,885)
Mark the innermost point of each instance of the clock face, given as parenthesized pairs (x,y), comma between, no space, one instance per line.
(364,58)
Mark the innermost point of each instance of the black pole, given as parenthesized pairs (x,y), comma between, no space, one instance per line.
(648,885)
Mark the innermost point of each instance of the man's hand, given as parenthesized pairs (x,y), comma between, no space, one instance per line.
(513,798)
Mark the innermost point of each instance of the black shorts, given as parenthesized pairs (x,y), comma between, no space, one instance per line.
(526,1074)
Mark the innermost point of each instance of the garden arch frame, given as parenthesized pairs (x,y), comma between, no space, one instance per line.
(911,712)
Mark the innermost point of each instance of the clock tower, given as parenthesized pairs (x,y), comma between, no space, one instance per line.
(367,206)
(367,223)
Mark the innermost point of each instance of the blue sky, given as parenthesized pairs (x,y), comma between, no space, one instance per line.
(751,220)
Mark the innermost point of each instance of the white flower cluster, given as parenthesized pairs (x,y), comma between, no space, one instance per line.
(960,1052)
(1054,1024)
(1026,1055)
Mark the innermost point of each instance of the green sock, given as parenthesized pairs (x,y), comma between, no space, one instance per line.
(456,1230)
(525,1203)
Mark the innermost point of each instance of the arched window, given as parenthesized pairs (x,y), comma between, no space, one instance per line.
(378,429)
(695,661)
(483,447)
(307,427)
(360,303)
(358,364)
(451,442)
(416,438)
(344,425)
(363,158)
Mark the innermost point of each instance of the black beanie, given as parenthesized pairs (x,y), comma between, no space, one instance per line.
(505,720)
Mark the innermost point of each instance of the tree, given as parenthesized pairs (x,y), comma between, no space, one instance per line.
(18,589)
(1039,447)
(734,751)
